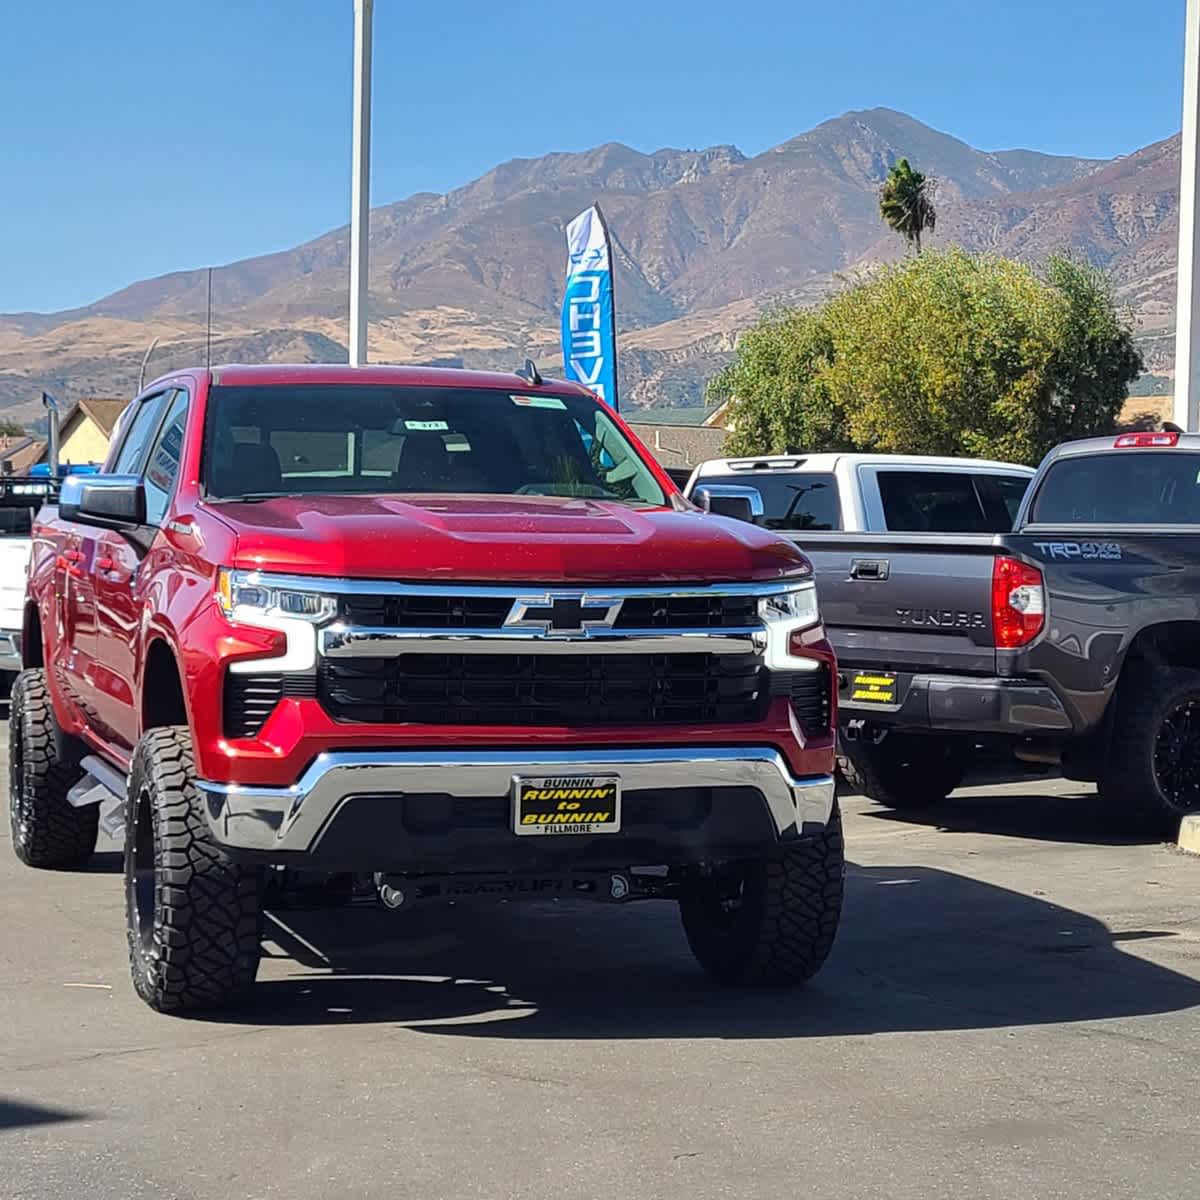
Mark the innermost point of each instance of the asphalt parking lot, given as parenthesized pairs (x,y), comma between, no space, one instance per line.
(1010,1011)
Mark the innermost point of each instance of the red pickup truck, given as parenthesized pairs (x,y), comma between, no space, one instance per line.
(430,635)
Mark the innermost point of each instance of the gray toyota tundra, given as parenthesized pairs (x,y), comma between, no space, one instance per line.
(1074,639)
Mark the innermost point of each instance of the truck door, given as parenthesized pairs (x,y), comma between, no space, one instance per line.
(112,568)
(74,610)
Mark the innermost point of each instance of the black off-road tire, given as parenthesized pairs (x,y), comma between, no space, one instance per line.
(1157,717)
(194,918)
(43,766)
(770,923)
(903,770)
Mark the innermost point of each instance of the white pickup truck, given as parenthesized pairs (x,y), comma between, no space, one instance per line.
(20,498)
(864,493)
(889,536)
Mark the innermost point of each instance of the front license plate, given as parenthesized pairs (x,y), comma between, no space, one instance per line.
(873,687)
(566,805)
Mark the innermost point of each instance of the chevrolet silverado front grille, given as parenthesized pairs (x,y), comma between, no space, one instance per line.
(424,612)
(687,612)
(470,611)
(538,689)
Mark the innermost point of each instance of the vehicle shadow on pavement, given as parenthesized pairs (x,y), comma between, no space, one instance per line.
(16,1114)
(920,949)
(1077,818)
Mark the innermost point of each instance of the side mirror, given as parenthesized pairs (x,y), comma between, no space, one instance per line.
(108,501)
(726,500)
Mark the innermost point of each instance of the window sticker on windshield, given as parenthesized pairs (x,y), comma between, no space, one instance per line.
(539,402)
(426,426)
(455,442)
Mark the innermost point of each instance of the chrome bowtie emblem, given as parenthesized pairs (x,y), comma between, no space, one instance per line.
(563,613)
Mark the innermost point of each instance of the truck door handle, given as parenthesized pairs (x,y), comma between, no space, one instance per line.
(869,568)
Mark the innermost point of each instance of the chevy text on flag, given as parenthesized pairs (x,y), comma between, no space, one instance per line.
(588,332)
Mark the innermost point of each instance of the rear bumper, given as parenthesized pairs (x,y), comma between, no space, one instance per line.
(957,704)
(430,810)
(10,649)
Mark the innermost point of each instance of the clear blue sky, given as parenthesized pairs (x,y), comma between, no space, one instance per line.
(139,137)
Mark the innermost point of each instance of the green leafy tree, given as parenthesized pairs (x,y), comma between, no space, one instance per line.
(9,428)
(777,384)
(946,353)
(906,202)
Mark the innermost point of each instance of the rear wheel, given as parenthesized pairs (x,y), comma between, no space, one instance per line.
(193,916)
(771,922)
(1152,778)
(43,766)
(903,770)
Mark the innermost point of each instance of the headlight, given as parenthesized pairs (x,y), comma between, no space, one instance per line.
(246,595)
(797,606)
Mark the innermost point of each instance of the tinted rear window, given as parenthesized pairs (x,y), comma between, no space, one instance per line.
(949,501)
(1126,487)
(791,501)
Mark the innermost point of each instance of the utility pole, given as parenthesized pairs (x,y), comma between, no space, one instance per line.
(1187,305)
(360,182)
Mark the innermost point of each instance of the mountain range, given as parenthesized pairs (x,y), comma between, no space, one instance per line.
(705,240)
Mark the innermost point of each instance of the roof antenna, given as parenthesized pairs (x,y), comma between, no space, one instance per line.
(530,373)
(208,331)
(145,360)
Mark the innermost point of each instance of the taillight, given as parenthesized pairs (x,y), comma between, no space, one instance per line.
(1143,441)
(1018,603)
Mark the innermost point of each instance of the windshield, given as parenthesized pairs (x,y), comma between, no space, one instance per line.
(1124,487)
(316,439)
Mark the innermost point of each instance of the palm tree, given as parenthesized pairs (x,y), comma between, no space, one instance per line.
(906,202)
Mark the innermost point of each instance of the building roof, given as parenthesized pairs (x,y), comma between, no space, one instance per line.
(669,416)
(101,410)
(679,445)
(719,416)
(19,452)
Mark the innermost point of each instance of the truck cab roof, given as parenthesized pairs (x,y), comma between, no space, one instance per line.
(342,374)
(831,462)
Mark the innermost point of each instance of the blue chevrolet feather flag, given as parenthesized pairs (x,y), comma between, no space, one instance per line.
(589,334)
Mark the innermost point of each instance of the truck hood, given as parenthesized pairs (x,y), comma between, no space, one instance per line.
(500,539)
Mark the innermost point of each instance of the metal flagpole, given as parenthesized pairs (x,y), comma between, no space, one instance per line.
(360,182)
(1187,305)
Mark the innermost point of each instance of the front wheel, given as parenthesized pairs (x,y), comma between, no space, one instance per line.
(1152,777)
(772,922)
(194,918)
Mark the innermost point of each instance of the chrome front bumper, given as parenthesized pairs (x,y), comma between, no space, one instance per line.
(290,820)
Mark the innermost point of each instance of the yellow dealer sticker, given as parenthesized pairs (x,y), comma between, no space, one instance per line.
(566,805)
(874,687)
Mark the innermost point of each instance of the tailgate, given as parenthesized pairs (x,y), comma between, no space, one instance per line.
(911,603)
